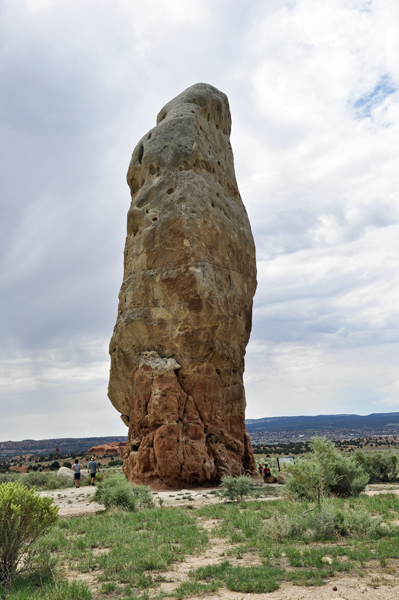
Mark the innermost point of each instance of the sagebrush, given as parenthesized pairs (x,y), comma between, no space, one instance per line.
(24,518)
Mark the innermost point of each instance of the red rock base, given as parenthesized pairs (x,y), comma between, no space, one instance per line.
(186,430)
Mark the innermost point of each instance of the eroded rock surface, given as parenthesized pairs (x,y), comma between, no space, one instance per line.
(185,305)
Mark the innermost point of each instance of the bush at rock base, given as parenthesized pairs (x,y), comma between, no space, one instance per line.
(236,488)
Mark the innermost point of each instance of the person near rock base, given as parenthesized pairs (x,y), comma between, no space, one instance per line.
(92,468)
(260,469)
(76,471)
(266,471)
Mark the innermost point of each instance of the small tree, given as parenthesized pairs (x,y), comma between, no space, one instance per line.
(325,471)
(24,518)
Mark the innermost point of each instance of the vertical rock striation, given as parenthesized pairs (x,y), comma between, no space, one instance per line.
(185,305)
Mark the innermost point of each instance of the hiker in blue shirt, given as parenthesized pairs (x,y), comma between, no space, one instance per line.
(76,471)
(92,468)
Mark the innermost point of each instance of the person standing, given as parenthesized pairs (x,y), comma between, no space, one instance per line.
(260,469)
(76,471)
(92,468)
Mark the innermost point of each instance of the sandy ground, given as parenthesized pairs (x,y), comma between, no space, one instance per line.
(74,502)
(380,582)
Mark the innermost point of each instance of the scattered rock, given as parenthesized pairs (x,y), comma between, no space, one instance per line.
(185,305)
(335,588)
(283,477)
(327,560)
(270,479)
(65,474)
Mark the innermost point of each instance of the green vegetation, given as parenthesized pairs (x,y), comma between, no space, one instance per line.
(116,492)
(129,553)
(325,471)
(380,466)
(236,488)
(24,518)
(323,526)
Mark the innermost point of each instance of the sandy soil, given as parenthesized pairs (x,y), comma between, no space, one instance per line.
(379,583)
(76,502)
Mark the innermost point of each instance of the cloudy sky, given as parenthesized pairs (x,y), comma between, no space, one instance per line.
(314,93)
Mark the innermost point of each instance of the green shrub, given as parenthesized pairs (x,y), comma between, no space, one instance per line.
(358,522)
(7,477)
(285,527)
(324,522)
(236,488)
(67,464)
(325,472)
(116,491)
(380,466)
(351,477)
(115,463)
(43,480)
(24,518)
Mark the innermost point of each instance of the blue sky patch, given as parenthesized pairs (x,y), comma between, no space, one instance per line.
(385,87)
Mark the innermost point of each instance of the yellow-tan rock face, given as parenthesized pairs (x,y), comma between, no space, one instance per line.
(185,305)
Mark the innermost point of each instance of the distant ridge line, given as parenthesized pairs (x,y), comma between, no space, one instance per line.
(65,445)
(327,422)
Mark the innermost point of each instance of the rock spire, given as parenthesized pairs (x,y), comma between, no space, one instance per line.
(185,305)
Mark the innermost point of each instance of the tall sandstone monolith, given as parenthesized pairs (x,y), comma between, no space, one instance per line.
(185,305)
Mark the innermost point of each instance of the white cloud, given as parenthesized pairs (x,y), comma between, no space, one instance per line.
(313,88)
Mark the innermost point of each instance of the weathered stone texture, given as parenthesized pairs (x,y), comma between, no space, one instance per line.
(185,305)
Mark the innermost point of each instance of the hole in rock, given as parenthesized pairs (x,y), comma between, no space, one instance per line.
(218,371)
(141,154)
(213,204)
(149,136)
(154,219)
(208,117)
(152,170)
(217,126)
(170,191)
(217,194)
(134,186)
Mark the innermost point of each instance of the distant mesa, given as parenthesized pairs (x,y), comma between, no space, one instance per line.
(65,445)
(108,449)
